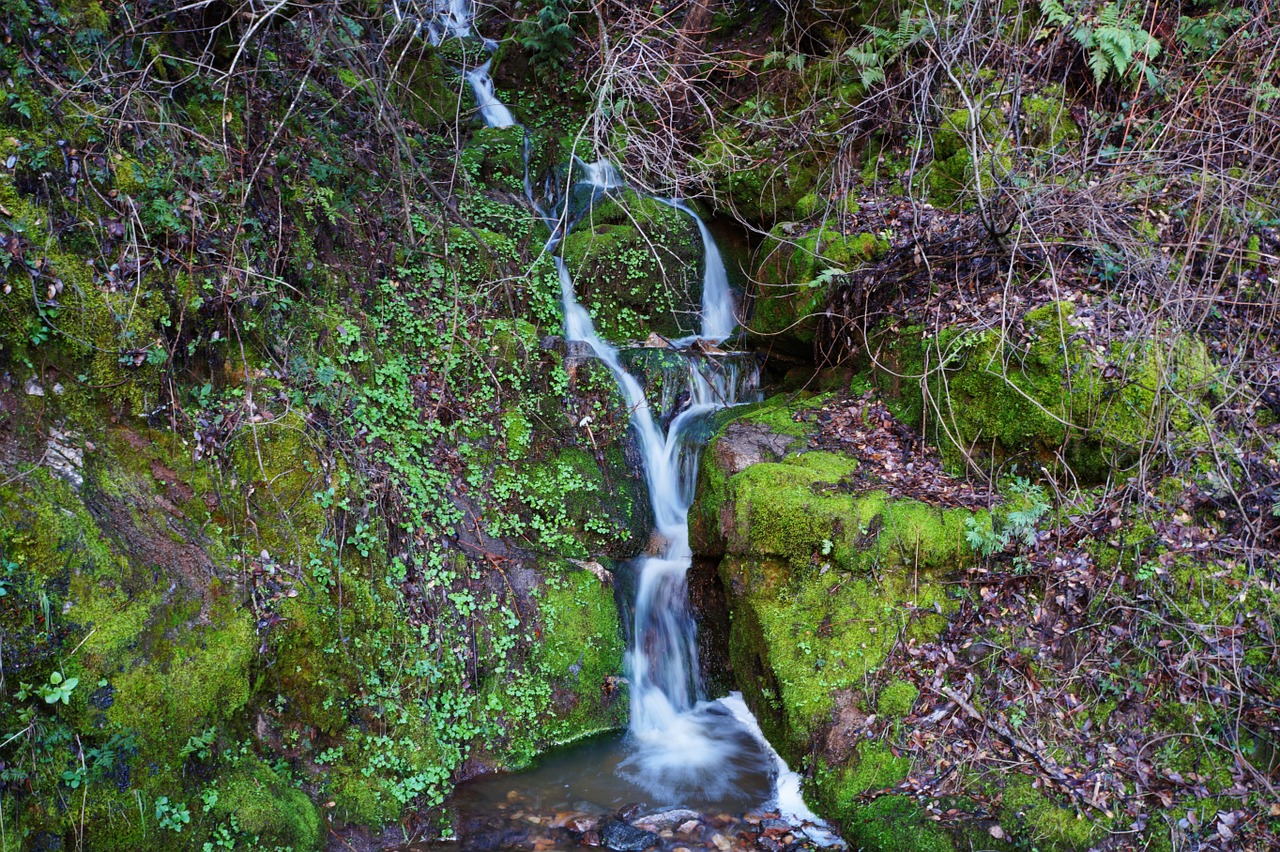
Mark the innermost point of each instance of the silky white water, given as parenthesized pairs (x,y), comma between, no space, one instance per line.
(683,747)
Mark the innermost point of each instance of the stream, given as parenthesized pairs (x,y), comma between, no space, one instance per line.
(690,771)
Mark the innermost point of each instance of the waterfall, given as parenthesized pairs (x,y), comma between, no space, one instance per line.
(493,111)
(683,746)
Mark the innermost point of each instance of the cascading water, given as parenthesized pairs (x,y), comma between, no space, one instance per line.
(683,749)
(493,111)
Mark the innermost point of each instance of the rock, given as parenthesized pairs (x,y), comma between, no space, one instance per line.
(656,341)
(721,842)
(64,458)
(689,827)
(745,444)
(665,820)
(621,837)
(33,388)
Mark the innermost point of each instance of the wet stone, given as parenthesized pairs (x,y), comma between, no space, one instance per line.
(666,820)
(621,837)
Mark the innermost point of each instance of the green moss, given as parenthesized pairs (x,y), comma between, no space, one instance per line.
(892,824)
(495,157)
(635,267)
(79,325)
(195,675)
(279,467)
(954,178)
(581,646)
(267,809)
(889,822)
(796,643)
(748,178)
(1048,399)
(1047,825)
(432,96)
(1047,121)
(897,699)
(796,280)
(361,801)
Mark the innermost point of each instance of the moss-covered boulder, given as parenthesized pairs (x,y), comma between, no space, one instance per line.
(1047,398)
(752,179)
(974,149)
(636,265)
(796,275)
(824,578)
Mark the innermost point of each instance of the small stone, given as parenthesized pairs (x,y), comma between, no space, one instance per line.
(721,842)
(33,388)
(689,827)
(584,824)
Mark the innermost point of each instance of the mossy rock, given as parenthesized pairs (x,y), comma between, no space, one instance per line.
(581,649)
(636,265)
(796,277)
(1049,399)
(268,811)
(430,93)
(823,580)
(749,179)
(494,157)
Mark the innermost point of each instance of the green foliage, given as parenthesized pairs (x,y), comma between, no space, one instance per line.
(548,39)
(1202,35)
(1009,525)
(172,815)
(1114,41)
(885,46)
(58,689)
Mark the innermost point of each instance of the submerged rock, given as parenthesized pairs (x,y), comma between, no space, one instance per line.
(621,837)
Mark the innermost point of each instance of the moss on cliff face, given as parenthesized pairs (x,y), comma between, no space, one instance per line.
(796,276)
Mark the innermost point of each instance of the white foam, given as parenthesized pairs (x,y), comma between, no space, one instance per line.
(789,801)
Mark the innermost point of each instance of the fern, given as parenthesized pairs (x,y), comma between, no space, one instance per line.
(1114,42)
(548,39)
(886,46)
